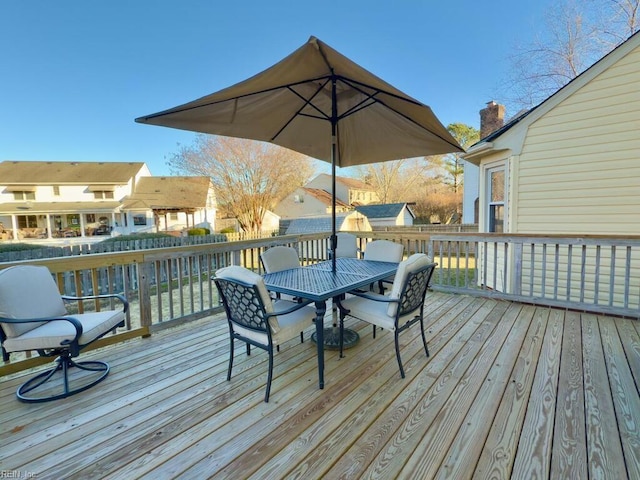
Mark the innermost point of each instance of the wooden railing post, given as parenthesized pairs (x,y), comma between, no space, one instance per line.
(516,285)
(144,293)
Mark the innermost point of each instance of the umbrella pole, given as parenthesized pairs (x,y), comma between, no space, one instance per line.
(334,125)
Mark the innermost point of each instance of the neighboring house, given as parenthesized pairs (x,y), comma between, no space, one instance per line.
(69,199)
(387,215)
(171,203)
(348,190)
(570,165)
(315,197)
(308,201)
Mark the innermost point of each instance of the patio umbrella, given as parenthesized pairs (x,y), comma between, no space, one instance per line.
(318,102)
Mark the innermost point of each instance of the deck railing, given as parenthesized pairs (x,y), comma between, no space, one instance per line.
(593,273)
(168,286)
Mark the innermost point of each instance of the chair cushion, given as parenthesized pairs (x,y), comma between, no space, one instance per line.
(347,245)
(49,335)
(370,310)
(374,312)
(384,251)
(235,272)
(280,258)
(411,264)
(28,291)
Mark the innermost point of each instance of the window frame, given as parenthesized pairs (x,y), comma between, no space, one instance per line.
(492,206)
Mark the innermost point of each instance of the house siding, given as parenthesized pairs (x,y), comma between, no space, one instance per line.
(579,169)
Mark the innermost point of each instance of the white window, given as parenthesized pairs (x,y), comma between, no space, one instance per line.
(173,216)
(102,194)
(495,188)
(56,190)
(24,196)
(298,199)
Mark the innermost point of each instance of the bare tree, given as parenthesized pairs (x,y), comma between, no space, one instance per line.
(577,34)
(248,177)
(393,180)
(617,21)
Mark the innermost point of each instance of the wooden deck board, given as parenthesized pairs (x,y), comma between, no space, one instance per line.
(509,391)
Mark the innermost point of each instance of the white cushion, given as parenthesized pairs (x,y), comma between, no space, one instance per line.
(28,291)
(373,312)
(347,245)
(50,335)
(280,258)
(384,251)
(411,264)
(235,272)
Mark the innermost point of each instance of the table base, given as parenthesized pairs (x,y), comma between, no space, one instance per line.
(332,338)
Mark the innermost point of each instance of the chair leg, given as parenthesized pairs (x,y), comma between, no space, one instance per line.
(341,334)
(398,353)
(63,363)
(301,337)
(374,331)
(230,360)
(270,375)
(424,338)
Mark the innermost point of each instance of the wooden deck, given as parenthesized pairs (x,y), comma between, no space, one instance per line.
(510,391)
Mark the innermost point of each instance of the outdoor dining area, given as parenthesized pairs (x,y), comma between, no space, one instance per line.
(487,389)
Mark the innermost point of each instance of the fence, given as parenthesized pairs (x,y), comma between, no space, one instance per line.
(171,285)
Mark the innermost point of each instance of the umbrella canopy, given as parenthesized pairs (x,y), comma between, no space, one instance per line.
(318,102)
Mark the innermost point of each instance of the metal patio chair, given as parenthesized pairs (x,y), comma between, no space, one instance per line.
(254,318)
(399,310)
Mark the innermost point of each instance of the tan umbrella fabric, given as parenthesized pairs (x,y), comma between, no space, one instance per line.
(290,104)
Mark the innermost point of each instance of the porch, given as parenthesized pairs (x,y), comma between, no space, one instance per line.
(511,390)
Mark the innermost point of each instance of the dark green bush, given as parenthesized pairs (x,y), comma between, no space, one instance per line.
(136,236)
(198,231)
(18,247)
(228,230)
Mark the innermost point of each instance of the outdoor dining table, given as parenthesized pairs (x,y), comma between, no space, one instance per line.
(319,283)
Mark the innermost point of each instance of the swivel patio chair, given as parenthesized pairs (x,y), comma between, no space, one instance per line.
(33,316)
(399,310)
(254,318)
(384,251)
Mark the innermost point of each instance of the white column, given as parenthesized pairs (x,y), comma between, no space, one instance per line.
(14,226)
(49,236)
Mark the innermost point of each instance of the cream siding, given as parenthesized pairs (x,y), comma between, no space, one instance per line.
(579,170)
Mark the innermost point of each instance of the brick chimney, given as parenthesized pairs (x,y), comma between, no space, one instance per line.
(491,118)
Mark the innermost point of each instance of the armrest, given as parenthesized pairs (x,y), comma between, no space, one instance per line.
(376,297)
(73,321)
(117,296)
(293,308)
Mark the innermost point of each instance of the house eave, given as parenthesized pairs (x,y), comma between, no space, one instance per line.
(475,153)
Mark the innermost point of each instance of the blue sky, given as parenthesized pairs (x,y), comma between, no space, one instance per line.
(75,74)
